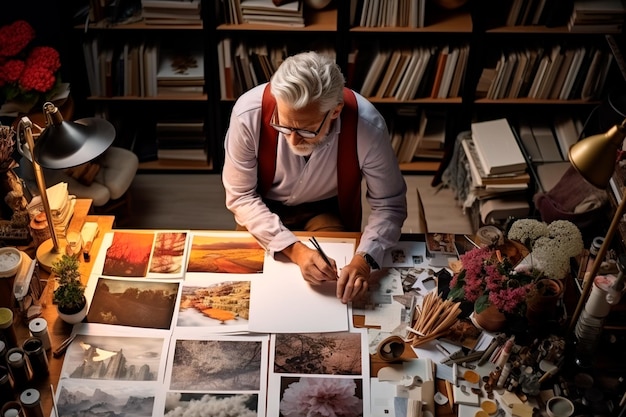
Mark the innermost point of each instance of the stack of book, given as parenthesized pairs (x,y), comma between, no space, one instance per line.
(497,165)
(61,207)
(171,12)
(180,72)
(266,12)
(597,16)
(181,139)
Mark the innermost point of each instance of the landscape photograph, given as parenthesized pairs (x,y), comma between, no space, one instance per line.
(337,353)
(182,404)
(216,365)
(114,357)
(217,304)
(219,254)
(142,303)
(105,398)
(128,255)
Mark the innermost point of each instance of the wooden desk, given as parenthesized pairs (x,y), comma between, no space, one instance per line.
(57,329)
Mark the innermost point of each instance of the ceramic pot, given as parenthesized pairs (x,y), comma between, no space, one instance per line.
(542,306)
(75,317)
(490,319)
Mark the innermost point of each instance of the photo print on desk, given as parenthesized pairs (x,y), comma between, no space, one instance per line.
(142,254)
(136,398)
(134,303)
(219,365)
(307,369)
(216,303)
(100,352)
(234,253)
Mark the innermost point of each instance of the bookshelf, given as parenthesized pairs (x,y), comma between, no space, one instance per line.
(336,29)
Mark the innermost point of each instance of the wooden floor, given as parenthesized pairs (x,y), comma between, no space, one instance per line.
(177,201)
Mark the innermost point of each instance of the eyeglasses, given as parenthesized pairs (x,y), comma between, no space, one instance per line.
(303,133)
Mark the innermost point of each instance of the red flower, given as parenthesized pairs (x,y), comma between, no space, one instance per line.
(11,70)
(27,74)
(15,37)
(37,78)
(45,57)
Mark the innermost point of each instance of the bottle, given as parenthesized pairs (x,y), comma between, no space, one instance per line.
(7,331)
(18,368)
(33,347)
(39,328)
(31,403)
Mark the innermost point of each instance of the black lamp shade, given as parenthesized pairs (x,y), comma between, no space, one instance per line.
(69,144)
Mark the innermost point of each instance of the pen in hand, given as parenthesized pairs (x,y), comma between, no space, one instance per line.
(319,249)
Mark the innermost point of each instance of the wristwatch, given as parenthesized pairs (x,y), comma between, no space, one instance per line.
(368,258)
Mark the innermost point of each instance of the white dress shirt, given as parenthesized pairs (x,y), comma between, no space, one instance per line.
(298,181)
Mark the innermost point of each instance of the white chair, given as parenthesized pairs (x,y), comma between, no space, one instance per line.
(109,189)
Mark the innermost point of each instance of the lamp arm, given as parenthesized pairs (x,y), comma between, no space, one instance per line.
(588,284)
(41,183)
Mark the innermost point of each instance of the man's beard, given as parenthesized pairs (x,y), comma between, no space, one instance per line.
(305,148)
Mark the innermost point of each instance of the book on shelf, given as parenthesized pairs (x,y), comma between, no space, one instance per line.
(575,65)
(171,4)
(546,141)
(399,73)
(555,91)
(459,72)
(448,72)
(481,179)
(566,132)
(497,148)
(517,78)
(556,59)
(375,72)
(442,57)
(509,68)
(539,76)
(180,68)
(182,154)
(528,142)
(391,68)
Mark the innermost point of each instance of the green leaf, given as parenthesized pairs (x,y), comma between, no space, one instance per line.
(481,303)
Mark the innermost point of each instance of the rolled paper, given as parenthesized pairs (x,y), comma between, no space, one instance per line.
(391,348)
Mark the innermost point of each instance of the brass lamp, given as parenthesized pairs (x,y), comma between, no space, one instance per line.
(595,158)
(61,145)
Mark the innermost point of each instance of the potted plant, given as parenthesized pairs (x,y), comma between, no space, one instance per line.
(69,296)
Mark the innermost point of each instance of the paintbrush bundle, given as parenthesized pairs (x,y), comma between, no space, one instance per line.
(433,319)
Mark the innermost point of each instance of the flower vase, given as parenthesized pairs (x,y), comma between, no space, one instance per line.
(490,319)
(542,305)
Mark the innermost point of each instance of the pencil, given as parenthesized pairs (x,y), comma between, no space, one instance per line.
(449,393)
(319,249)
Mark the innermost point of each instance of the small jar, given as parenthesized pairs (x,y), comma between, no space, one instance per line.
(18,367)
(31,403)
(7,331)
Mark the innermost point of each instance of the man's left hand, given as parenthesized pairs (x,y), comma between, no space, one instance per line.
(352,281)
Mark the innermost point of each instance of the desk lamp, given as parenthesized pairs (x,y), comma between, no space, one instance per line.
(595,158)
(62,145)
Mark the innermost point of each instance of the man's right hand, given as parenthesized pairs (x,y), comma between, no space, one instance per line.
(313,267)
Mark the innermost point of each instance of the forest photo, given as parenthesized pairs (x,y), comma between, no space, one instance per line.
(218,254)
(133,303)
(128,254)
(337,353)
(216,365)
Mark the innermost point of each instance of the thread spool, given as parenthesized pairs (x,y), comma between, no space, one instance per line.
(12,409)
(33,347)
(6,391)
(31,403)
(39,328)
(18,367)
(39,229)
(596,304)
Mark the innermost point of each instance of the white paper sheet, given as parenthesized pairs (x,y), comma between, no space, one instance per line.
(281,301)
